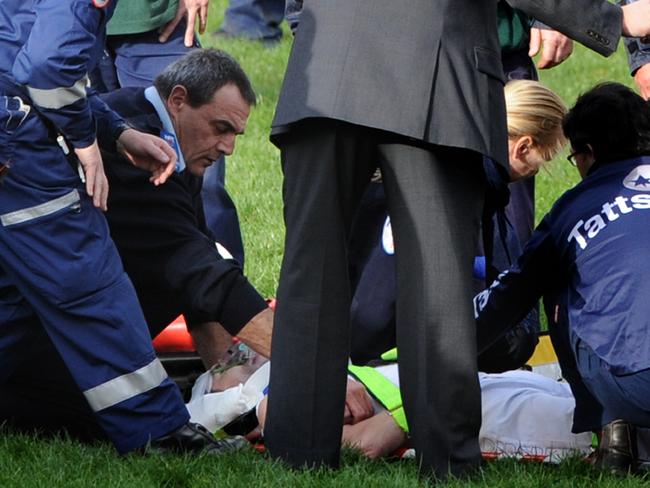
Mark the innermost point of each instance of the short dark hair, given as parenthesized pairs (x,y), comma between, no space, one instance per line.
(613,120)
(202,72)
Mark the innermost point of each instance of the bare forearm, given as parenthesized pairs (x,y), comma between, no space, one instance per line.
(212,340)
(256,334)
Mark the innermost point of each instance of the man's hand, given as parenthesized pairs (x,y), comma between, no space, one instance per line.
(555,46)
(636,19)
(375,437)
(150,153)
(189,8)
(358,405)
(642,79)
(93,168)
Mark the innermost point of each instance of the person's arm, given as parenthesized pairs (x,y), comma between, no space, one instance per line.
(358,406)
(144,150)
(159,228)
(638,56)
(53,65)
(212,340)
(375,437)
(515,292)
(636,19)
(596,24)
(209,287)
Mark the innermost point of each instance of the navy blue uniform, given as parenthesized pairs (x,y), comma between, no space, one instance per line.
(59,264)
(592,245)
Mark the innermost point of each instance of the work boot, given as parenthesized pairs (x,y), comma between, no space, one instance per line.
(617,452)
(196,439)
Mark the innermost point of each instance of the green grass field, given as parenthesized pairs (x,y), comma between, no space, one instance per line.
(254,180)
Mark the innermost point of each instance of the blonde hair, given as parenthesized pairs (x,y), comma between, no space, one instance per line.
(534,110)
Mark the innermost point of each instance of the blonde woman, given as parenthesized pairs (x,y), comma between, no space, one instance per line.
(535,135)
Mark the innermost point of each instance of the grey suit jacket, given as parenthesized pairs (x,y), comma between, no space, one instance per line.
(426,69)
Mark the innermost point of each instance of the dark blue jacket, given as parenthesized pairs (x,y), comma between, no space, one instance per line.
(47,48)
(594,242)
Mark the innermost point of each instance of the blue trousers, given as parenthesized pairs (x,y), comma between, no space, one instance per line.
(601,396)
(624,396)
(135,60)
(60,265)
(254,19)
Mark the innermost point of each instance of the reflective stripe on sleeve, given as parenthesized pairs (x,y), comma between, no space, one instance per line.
(126,386)
(47,208)
(58,97)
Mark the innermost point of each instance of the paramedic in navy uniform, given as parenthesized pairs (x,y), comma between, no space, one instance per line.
(594,244)
(58,261)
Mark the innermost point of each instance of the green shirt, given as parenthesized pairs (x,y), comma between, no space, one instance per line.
(514,28)
(138,16)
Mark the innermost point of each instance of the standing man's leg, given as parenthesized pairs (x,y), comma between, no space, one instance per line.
(324,178)
(435,200)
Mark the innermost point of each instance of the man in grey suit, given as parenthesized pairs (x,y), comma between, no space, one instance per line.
(416,88)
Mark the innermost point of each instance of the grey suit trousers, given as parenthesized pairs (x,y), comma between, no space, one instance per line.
(435,197)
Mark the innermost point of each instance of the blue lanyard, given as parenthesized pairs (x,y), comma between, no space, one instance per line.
(167,133)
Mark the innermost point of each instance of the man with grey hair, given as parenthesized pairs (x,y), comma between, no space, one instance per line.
(199,104)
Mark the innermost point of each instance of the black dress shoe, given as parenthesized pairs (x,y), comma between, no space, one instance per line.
(617,452)
(194,438)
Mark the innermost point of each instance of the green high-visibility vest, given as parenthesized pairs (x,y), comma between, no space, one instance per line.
(383,390)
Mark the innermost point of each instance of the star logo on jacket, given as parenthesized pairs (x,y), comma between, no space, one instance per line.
(638,179)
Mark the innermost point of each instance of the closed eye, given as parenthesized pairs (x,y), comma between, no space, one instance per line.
(224,127)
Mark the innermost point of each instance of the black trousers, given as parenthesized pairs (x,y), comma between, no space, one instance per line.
(435,197)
